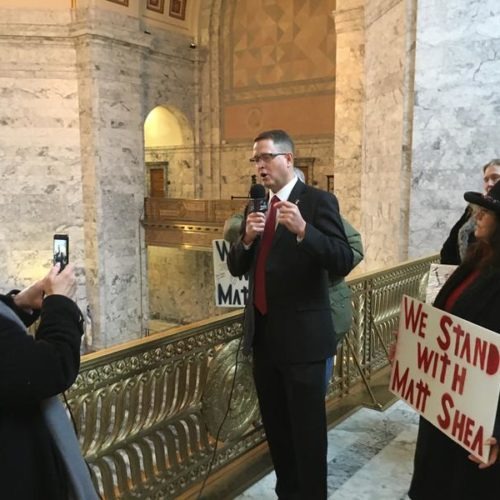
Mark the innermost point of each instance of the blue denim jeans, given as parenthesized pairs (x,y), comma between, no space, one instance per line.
(328,370)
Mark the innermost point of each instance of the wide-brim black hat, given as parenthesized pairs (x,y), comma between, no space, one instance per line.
(490,201)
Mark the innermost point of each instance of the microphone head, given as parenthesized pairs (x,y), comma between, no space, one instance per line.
(257,191)
(258,201)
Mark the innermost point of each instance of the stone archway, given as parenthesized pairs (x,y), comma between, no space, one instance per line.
(169,154)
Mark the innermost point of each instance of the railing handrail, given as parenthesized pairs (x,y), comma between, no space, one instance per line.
(176,333)
(375,273)
(172,334)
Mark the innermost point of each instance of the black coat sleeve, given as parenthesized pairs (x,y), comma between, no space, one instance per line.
(325,239)
(449,253)
(27,318)
(32,369)
(240,259)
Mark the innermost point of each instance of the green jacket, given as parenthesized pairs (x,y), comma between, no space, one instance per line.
(232,228)
(339,292)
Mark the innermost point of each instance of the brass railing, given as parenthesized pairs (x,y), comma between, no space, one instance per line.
(148,412)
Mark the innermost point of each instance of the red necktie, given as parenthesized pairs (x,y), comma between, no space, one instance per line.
(260,268)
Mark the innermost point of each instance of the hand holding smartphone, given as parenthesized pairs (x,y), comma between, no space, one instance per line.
(61,250)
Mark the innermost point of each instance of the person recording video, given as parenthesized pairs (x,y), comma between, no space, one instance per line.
(289,252)
(39,454)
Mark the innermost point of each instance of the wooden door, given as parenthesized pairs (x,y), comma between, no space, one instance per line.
(157,181)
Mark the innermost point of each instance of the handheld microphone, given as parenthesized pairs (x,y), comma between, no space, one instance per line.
(258,200)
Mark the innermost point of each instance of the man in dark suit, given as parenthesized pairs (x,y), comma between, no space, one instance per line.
(288,253)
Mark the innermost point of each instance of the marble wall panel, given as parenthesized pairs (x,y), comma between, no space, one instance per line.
(456,112)
(349,96)
(40,148)
(175,296)
(381,181)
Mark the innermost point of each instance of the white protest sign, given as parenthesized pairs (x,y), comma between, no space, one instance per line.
(229,290)
(448,369)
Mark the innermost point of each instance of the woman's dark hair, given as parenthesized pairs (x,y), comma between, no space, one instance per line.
(483,254)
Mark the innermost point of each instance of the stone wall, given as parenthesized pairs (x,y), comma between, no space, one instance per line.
(39,145)
(384,190)
(181,283)
(76,87)
(457,119)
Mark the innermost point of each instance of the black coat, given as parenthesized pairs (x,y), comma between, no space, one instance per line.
(450,253)
(30,371)
(442,469)
(299,322)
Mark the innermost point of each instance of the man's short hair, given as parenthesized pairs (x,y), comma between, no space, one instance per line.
(279,137)
(493,163)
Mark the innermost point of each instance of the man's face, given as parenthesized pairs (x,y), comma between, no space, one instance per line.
(491,177)
(274,171)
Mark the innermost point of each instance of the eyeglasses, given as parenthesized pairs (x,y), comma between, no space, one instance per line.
(265,157)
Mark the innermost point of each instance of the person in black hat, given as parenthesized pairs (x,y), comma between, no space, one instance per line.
(442,468)
(462,233)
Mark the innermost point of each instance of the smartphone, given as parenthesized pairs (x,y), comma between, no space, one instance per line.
(61,249)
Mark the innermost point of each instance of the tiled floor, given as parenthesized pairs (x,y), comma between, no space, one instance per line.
(370,457)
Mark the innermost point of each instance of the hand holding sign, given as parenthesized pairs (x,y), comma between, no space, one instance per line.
(443,367)
(494,455)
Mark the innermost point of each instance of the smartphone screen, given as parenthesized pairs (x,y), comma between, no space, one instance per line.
(61,249)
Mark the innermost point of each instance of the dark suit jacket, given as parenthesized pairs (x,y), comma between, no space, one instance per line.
(442,469)
(299,323)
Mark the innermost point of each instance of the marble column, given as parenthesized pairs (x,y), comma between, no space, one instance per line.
(112,161)
(456,113)
(385,181)
(349,97)
(208,118)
